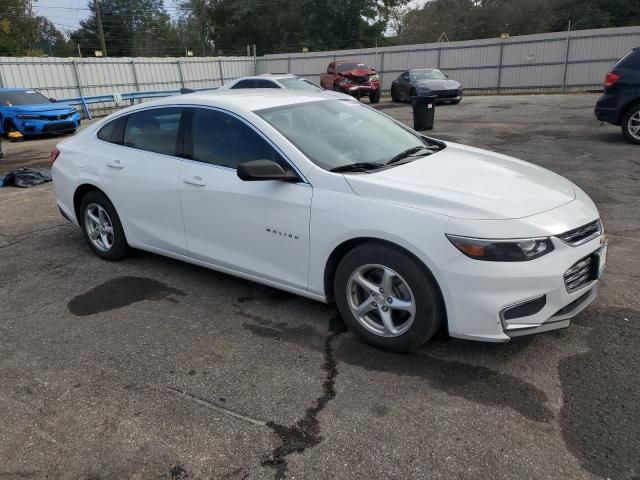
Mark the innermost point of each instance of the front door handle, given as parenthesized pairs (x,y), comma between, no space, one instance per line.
(197,181)
(115,164)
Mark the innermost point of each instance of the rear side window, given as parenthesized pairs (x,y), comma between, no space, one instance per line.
(265,84)
(244,84)
(113,131)
(221,139)
(154,130)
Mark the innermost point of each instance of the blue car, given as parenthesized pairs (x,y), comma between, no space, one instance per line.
(31,113)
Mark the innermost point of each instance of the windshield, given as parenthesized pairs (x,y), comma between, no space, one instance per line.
(299,84)
(346,67)
(22,97)
(427,74)
(334,133)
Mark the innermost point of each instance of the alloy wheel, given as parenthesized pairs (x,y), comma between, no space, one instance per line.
(634,125)
(99,227)
(381,300)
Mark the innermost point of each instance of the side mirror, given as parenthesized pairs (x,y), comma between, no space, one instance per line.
(52,99)
(260,170)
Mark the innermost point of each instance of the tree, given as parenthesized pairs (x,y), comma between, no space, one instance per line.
(25,34)
(131,28)
(228,26)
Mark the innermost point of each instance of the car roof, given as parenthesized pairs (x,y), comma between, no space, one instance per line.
(350,61)
(242,100)
(273,76)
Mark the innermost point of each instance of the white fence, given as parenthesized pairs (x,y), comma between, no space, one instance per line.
(75,77)
(559,61)
(545,62)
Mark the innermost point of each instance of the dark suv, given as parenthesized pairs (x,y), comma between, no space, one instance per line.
(620,102)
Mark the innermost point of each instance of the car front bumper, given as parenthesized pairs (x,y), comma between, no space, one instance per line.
(356,89)
(480,293)
(38,126)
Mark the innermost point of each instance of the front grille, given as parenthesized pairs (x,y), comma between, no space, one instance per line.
(360,79)
(446,93)
(58,127)
(582,234)
(580,274)
(63,116)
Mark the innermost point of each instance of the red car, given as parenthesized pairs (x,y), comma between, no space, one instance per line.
(352,78)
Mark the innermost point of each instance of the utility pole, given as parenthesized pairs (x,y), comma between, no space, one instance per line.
(103,44)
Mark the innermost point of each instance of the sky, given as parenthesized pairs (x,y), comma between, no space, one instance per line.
(66,14)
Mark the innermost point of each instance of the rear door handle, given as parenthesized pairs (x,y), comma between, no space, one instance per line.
(197,181)
(115,164)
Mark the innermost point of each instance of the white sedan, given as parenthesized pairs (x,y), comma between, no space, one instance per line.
(334,201)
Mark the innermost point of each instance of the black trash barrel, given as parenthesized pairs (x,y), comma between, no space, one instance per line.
(424,108)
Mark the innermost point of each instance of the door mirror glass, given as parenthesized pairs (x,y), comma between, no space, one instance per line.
(260,170)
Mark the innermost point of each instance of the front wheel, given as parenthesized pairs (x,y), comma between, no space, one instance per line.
(394,95)
(387,298)
(374,97)
(101,227)
(631,125)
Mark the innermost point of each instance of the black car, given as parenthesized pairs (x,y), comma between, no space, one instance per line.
(425,81)
(620,102)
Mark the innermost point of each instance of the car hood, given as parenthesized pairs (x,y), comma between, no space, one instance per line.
(437,84)
(45,108)
(470,183)
(358,72)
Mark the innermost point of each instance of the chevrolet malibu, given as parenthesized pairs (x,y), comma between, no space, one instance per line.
(334,201)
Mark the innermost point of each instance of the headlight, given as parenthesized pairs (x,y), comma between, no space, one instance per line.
(343,80)
(27,116)
(502,250)
(374,77)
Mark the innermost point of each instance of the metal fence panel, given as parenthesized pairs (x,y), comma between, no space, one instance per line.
(542,62)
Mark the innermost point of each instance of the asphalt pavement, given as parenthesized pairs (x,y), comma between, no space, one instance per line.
(152,368)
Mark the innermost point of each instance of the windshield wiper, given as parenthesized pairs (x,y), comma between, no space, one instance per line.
(357,167)
(408,153)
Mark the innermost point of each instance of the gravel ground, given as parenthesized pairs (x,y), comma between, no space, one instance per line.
(151,368)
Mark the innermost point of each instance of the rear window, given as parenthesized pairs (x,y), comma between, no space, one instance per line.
(24,97)
(631,60)
(299,84)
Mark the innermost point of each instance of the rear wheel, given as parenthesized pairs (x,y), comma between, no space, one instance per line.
(631,125)
(374,97)
(101,227)
(387,298)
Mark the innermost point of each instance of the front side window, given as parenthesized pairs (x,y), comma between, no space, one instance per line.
(154,130)
(221,139)
(334,133)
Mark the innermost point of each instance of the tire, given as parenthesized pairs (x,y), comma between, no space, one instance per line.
(374,97)
(70,132)
(455,102)
(116,247)
(371,259)
(412,94)
(631,119)
(394,97)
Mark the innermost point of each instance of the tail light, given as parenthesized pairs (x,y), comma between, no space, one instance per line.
(55,153)
(611,79)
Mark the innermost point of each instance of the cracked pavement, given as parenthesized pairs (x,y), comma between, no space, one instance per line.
(151,368)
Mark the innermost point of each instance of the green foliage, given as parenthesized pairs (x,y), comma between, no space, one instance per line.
(227,26)
(22,34)
(471,19)
(131,28)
